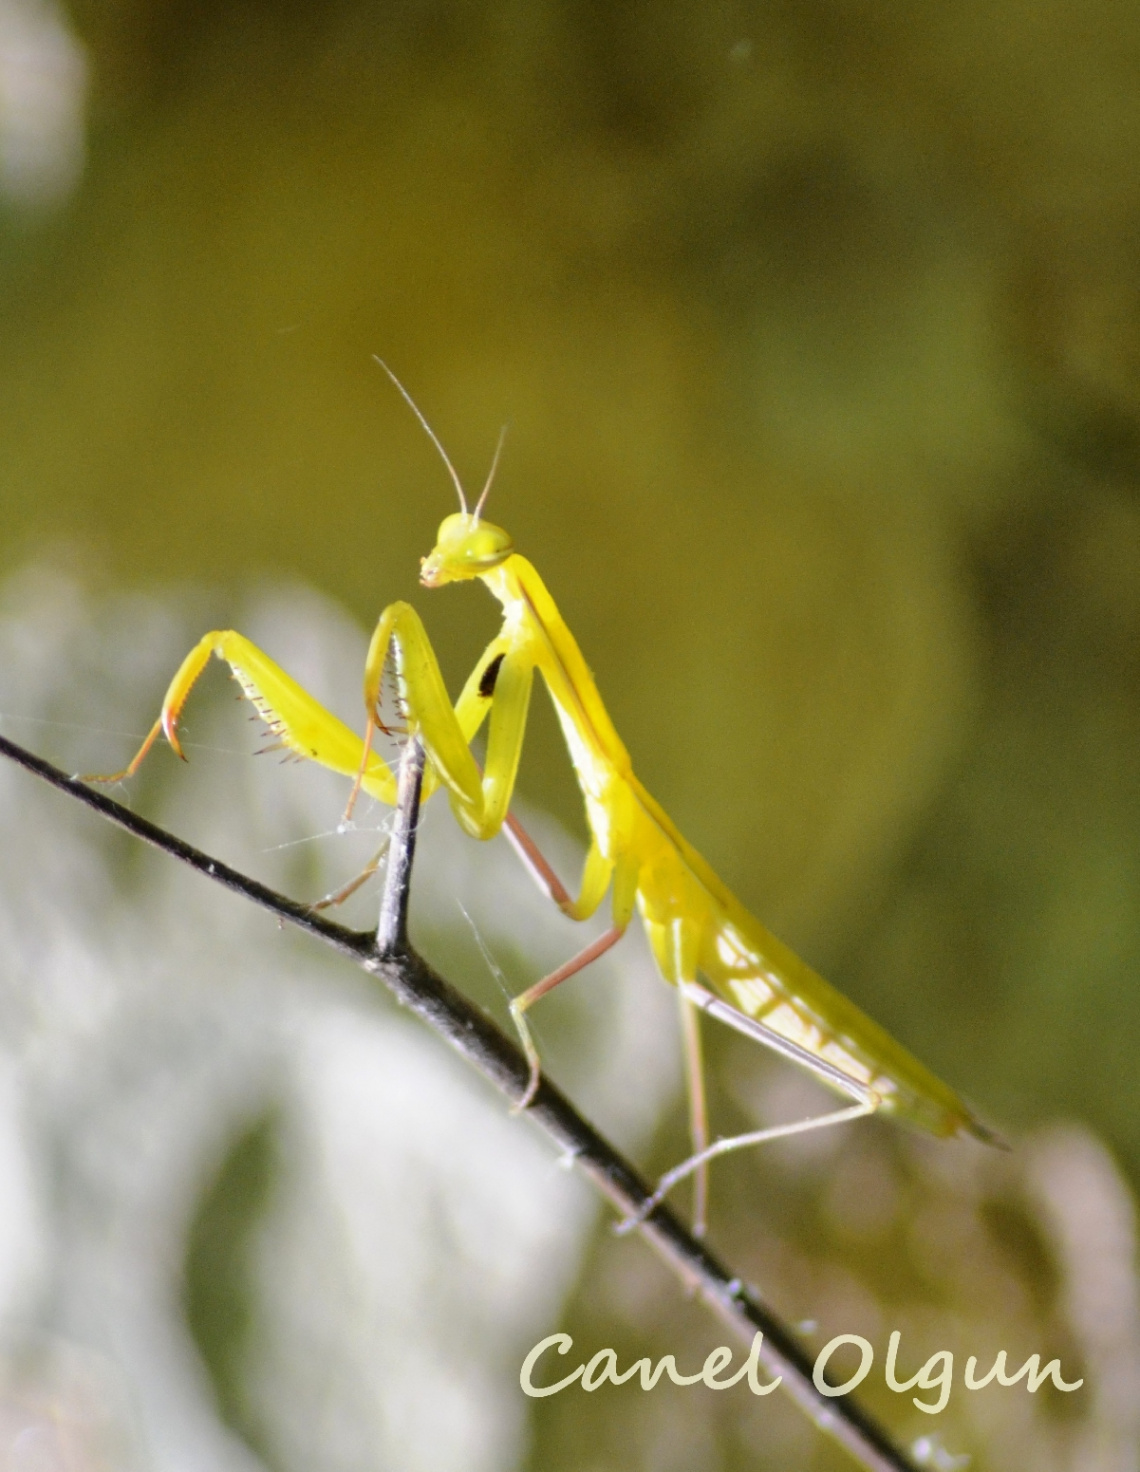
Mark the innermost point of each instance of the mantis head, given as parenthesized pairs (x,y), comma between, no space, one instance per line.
(465,547)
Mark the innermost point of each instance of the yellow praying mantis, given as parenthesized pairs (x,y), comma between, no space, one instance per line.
(695,926)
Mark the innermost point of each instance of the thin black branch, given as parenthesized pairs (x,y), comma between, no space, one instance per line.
(415,985)
(392,931)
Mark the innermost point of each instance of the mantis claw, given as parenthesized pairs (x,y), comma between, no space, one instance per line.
(531,1089)
(532,1058)
(651,1203)
(169,722)
(369,730)
(631,1223)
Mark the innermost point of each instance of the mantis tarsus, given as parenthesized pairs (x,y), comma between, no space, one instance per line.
(694,924)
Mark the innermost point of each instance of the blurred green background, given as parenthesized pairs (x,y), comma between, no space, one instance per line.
(817,327)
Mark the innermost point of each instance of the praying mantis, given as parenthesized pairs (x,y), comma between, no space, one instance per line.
(696,928)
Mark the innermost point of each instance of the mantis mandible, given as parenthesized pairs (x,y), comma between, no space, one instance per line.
(695,926)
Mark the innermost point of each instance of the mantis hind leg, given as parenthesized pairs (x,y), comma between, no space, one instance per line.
(675,944)
(698,1164)
(698,1109)
(866,1100)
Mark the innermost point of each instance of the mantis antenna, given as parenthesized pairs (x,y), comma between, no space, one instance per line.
(491,472)
(431,434)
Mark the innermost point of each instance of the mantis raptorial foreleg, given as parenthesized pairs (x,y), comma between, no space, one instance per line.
(302,723)
(500,685)
(479,800)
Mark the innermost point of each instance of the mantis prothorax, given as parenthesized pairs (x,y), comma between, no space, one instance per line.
(695,926)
